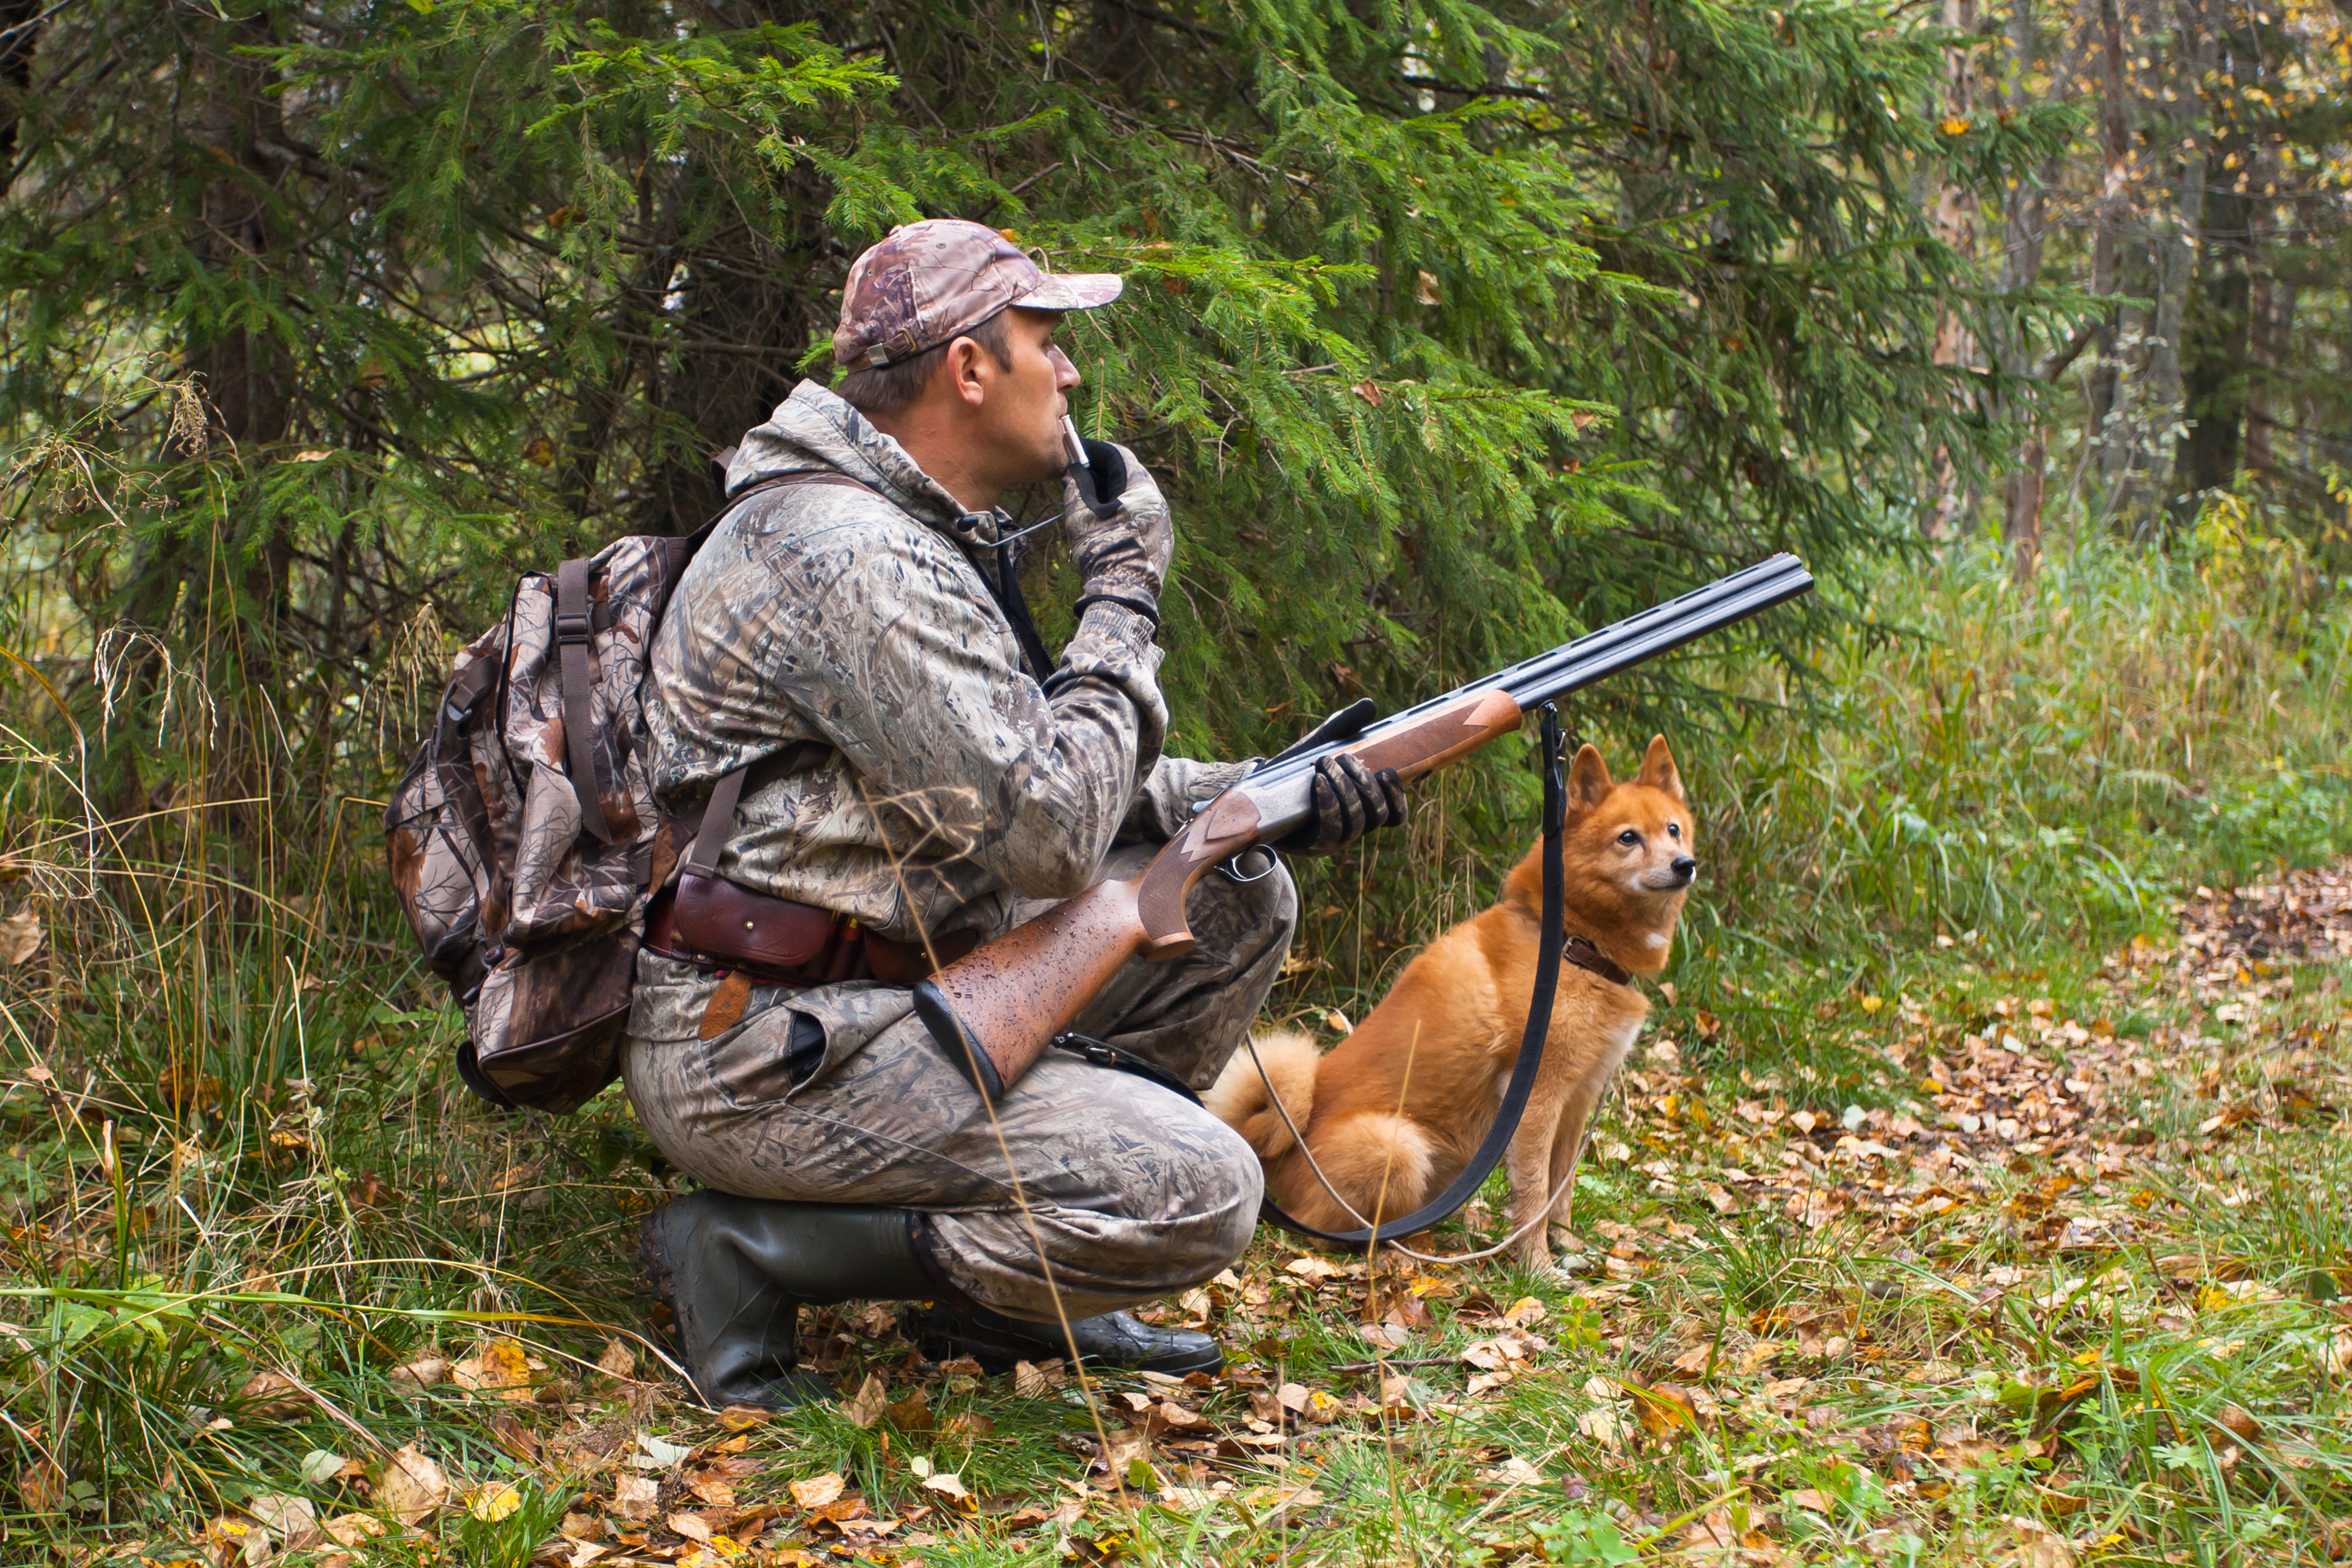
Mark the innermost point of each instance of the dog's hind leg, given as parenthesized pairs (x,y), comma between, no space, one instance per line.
(1381,1163)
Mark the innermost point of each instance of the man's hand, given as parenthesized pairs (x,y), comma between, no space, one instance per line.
(1124,558)
(1350,800)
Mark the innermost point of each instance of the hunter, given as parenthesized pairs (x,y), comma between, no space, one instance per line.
(851,651)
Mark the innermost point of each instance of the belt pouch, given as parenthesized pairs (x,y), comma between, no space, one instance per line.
(712,915)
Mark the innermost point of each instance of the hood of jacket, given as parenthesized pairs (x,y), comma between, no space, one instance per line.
(814,430)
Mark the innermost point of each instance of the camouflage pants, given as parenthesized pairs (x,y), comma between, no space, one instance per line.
(1089,1182)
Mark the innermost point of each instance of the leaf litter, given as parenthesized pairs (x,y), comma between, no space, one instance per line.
(1794,1315)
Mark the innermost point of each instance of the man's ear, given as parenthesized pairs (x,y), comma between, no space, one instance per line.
(1588,778)
(1658,769)
(966,376)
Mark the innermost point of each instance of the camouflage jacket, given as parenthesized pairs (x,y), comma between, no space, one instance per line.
(907,771)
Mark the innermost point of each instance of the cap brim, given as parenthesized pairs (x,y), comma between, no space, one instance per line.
(1073,291)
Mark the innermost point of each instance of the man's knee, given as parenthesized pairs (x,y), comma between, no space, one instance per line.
(1203,1202)
(1231,1188)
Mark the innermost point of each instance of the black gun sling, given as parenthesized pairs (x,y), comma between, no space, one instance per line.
(1552,941)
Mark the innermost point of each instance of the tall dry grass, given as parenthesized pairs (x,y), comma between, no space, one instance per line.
(2011,765)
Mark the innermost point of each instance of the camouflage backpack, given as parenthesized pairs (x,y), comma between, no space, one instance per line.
(525,840)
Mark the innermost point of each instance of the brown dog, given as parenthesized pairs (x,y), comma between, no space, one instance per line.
(1395,1110)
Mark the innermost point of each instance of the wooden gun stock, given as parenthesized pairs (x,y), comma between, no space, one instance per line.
(997,1008)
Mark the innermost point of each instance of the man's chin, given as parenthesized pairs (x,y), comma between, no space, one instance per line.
(1048,466)
(1038,463)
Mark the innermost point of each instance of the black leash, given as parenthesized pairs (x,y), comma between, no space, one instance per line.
(1531,1043)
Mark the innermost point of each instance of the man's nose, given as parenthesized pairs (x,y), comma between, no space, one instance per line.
(1686,867)
(1066,374)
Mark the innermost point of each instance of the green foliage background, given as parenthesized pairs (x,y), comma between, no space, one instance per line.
(1453,329)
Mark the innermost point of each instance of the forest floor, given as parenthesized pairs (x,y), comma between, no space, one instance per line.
(2045,1267)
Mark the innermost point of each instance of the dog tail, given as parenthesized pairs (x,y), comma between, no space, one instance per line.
(1240,1100)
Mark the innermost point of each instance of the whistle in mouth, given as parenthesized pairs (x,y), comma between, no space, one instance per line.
(1096,469)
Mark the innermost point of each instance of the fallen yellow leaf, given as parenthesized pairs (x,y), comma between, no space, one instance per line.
(866,1406)
(493,1501)
(496,1366)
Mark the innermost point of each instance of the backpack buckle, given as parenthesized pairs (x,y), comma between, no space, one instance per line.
(575,627)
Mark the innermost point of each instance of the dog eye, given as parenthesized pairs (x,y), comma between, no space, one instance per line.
(1674,830)
(1629,838)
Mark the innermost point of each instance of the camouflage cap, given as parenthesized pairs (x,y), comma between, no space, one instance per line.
(928,281)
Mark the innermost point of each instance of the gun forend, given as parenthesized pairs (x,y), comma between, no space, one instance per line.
(1423,742)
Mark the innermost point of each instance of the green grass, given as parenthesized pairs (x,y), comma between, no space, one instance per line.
(230,1145)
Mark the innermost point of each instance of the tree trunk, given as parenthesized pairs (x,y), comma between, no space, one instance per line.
(2110,214)
(234,587)
(2174,253)
(1121,47)
(716,388)
(2022,255)
(246,380)
(2024,241)
(2270,312)
(20,30)
(2021,524)
(1955,226)
(2214,376)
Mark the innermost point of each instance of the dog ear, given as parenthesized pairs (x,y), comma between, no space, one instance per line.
(1588,778)
(1658,769)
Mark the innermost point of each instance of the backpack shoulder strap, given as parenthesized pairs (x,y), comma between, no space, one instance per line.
(718,812)
(796,476)
(575,632)
(718,822)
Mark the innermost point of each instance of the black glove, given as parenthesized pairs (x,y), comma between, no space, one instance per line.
(1124,557)
(1350,800)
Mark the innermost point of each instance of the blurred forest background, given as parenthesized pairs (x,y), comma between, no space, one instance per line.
(1452,329)
(1455,330)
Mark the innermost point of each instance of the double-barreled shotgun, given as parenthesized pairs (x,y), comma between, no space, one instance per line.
(996,1009)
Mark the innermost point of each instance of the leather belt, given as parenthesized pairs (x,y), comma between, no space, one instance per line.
(725,928)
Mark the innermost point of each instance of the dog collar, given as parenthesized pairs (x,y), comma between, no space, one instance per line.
(1579,951)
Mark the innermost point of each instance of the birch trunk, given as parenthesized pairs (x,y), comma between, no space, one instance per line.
(1955,226)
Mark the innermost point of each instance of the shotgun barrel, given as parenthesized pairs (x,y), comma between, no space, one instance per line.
(1594,657)
(996,1009)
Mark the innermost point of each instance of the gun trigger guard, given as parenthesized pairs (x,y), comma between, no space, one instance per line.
(1230,863)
